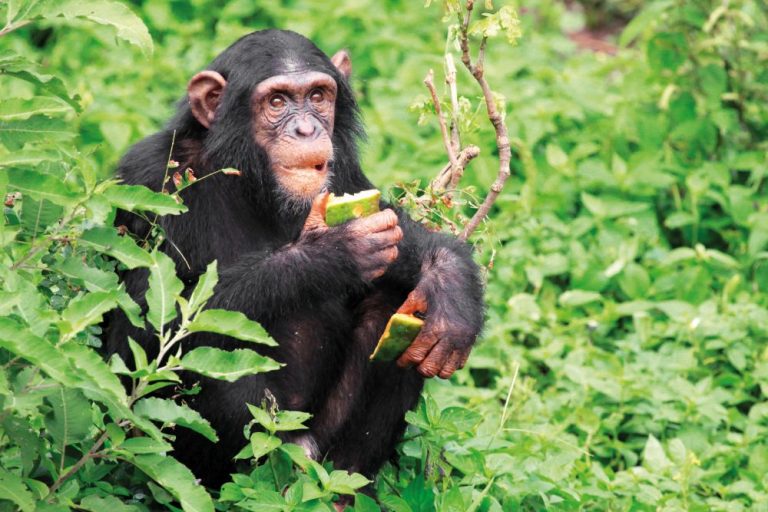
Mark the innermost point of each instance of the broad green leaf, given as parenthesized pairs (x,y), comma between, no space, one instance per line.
(15,65)
(574,298)
(223,365)
(95,503)
(231,323)
(204,288)
(176,479)
(13,488)
(263,443)
(106,12)
(264,500)
(169,411)
(14,134)
(140,198)
(91,367)
(297,455)
(654,457)
(17,109)
(94,279)
(342,482)
(28,158)
(69,420)
(610,207)
(164,288)
(36,216)
(365,503)
(106,240)
(290,420)
(86,310)
(17,339)
(41,186)
(144,445)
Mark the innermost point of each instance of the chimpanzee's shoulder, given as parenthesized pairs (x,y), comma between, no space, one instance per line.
(141,165)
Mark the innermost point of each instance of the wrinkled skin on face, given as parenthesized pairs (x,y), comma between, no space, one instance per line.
(293,122)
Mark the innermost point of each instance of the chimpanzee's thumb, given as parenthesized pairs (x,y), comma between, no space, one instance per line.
(316,217)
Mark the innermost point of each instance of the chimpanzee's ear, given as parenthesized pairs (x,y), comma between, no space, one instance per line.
(205,90)
(342,62)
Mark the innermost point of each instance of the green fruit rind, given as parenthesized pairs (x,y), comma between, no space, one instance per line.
(400,332)
(340,209)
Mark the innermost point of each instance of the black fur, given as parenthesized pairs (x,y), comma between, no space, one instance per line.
(304,289)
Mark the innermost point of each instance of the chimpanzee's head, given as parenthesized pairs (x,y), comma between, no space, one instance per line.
(274,102)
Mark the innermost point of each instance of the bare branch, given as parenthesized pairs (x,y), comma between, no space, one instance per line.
(502,136)
(450,80)
(430,83)
(444,178)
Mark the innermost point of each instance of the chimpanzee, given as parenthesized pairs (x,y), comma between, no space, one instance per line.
(279,110)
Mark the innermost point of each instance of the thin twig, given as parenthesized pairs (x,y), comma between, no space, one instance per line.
(430,83)
(444,178)
(450,80)
(502,137)
(74,469)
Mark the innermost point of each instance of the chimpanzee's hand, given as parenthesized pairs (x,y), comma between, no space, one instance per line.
(445,340)
(370,241)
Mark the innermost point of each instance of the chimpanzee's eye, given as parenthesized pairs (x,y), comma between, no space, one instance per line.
(316,96)
(277,101)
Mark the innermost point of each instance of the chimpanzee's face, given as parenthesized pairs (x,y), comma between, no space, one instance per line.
(293,123)
(292,117)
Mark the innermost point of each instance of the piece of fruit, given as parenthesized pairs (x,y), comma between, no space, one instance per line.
(400,332)
(340,209)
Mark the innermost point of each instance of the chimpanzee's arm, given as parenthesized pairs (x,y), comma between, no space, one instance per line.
(447,286)
(324,262)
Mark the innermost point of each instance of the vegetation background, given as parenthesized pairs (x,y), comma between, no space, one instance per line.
(624,365)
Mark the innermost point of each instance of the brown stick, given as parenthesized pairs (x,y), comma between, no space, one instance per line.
(502,136)
(74,469)
(444,177)
(429,81)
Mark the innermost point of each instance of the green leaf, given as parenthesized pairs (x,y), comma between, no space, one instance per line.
(106,240)
(28,158)
(17,109)
(229,366)
(342,482)
(169,411)
(667,51)
(17,339)
(115,14)
(231,323)
(86,310)
(15,65)
(263,500)
(206,284)
(610,207)
(14,134)
(654,457)
(69,420)
(92,368)
(164,288)
(36,216)
(95,503)
(12,488)
(41,186)
(144,445)
(365,503)
(263,443)
(574,298)
(94,279)
(140,198)
(176,479)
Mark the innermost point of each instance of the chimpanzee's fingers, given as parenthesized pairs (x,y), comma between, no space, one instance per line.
(415,303)
(451,365)
(380,221)
(316,217)
(435,361)
(418,350)
(387,238)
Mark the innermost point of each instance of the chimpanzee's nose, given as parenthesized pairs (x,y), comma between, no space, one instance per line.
(304,128)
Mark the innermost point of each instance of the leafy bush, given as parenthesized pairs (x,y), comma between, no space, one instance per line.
(624,364)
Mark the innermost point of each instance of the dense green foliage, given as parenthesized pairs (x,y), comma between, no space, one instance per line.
(624,365)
